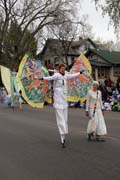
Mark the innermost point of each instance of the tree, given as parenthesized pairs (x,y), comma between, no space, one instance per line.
(11,46)
(86,30)
(67,33)
(30,16)
(112,9)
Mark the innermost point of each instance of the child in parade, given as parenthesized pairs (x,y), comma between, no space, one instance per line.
(94,110)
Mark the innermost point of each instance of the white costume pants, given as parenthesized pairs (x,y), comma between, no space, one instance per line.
(62,120)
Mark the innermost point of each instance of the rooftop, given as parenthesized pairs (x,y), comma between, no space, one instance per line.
(111,57)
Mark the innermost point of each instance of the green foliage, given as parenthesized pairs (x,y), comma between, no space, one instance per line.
(23,23)
(14,48)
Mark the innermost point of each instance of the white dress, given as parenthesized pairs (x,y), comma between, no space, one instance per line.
(92,99)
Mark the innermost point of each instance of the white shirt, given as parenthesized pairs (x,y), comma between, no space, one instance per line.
(60,89)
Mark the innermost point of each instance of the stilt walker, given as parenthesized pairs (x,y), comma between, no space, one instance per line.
(60,99)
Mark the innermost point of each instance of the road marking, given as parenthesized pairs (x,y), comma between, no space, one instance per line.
(113,138)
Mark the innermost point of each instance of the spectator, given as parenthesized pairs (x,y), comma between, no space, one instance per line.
(104,92)
(118,85)
(109,85)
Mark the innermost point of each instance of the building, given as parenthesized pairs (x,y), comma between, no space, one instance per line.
(104,63)
(58,51)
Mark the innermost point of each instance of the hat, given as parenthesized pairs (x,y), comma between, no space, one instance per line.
(96,82)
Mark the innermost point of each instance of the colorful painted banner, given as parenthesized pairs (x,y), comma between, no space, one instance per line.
(77,88)
(6,78)
(33,89)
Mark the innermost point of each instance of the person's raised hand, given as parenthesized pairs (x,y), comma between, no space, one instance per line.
(41,77)
(81,72)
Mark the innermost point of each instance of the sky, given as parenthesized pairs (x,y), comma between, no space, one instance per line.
(100,24)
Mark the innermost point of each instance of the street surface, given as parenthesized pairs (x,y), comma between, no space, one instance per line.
(30,146)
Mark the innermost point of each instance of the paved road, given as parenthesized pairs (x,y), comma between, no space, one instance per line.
(30,148)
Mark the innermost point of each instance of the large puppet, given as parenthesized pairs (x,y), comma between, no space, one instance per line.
(77,88)
(35,91)
(6,78)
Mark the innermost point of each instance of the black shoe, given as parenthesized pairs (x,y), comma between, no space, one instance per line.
(89,137)
(63,144)
(100,140)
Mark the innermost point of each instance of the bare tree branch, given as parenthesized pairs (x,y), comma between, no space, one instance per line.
(30,16)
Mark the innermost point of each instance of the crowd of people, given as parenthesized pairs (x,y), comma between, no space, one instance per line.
(16,98)
(110,94)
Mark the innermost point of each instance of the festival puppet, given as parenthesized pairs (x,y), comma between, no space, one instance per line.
(35,91)
(77,88)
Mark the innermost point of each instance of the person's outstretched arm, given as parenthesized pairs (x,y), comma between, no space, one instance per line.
(50,78)
(74,75)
